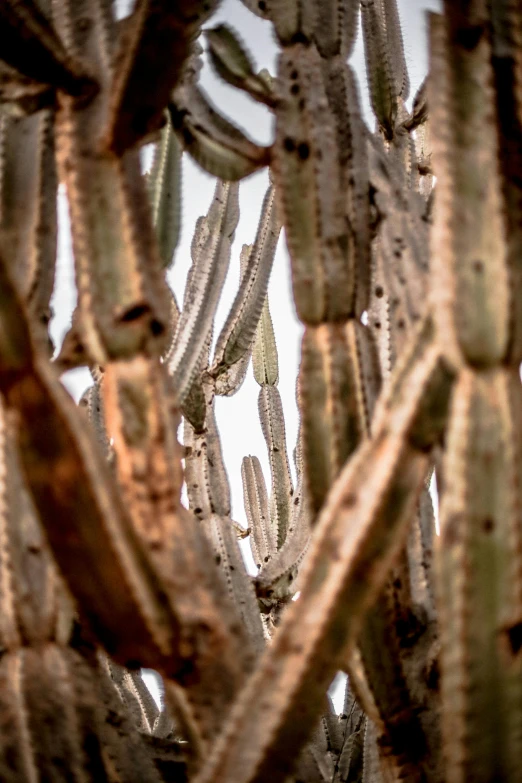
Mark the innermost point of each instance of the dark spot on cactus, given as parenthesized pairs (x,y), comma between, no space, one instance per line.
(401,323)
(134,313)
(514,637)
(290,577)
(379,291)
(262,5)
(267,558)
(84,24)
(218,559)
(469,37)
(296,502)
(156,327)
(377,324)
(478,267)
(488,525)
(289,144)
(294,89)
(299,38)
(397,583)
(303,151)
(350,500)
(294,74)
(197,510)
(433,676)
(301,104)
(188,138)
(232,568)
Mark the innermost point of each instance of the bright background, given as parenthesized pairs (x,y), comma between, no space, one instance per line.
(237,416)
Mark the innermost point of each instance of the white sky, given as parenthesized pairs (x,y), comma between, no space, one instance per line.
(237,416)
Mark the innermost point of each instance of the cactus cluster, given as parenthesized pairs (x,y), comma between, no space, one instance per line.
(404,247)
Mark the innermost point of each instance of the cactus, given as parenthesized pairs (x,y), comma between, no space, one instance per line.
(404,252)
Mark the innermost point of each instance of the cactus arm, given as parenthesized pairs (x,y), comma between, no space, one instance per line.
(233,63)
(276,580)
(210,261)
(336,400)
(164,185)
(404,243)
(364,523)
(273,426)
(29,43)
(470,282)
(229,382)
(379,66)
(28,220)
(240,327)
(207,482)
(255,498)
(351,132)
(149,61)
(218,145)
(194,406)
(479,589)
(264,355)
(92,402)
(316,229)
(392,25)
(122,296)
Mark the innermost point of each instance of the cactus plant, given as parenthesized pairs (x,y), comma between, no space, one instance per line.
(404,251)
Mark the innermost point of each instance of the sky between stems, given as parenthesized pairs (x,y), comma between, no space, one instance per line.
(237,416)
